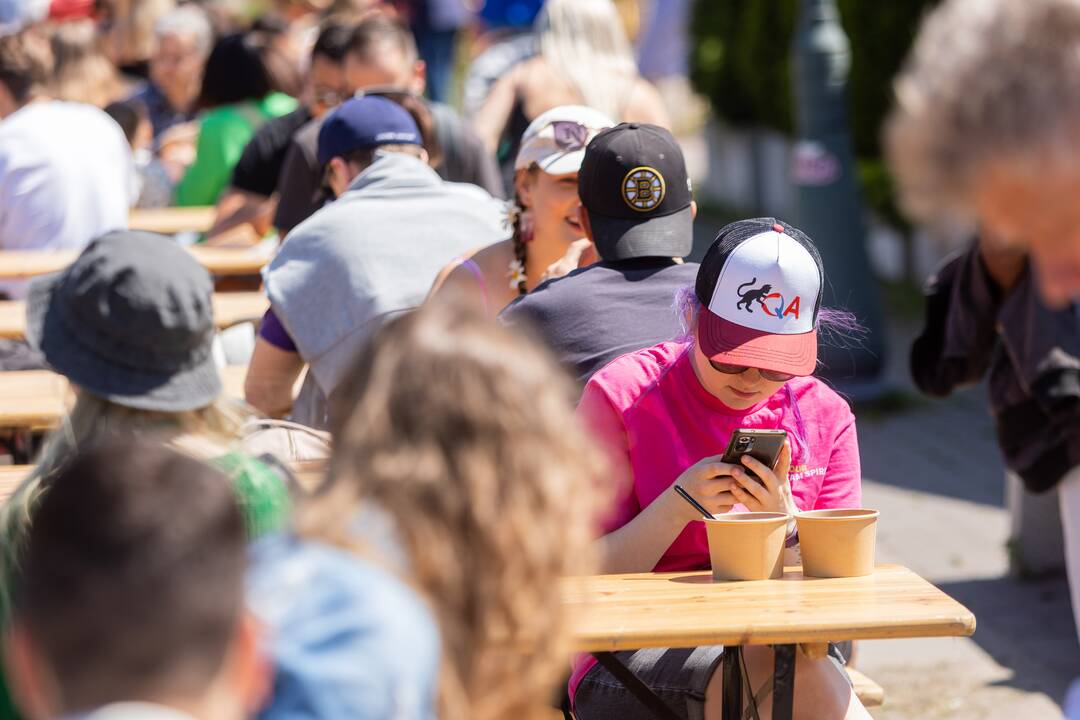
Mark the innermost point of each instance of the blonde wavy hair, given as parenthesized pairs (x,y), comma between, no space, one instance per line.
(585,42)
(202,433)
(463,432)
(987,81)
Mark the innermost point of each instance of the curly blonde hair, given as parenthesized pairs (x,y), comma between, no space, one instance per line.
(987,81)
(463,432)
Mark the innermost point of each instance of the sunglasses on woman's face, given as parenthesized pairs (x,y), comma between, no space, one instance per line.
(570,136)
(769,375)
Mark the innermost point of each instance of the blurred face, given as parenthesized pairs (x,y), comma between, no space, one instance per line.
(1038,214)
(554,202)
(326,83)
(738,391)
(176,68)
(386,68)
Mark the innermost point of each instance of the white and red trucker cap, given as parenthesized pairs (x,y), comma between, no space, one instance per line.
(760,287)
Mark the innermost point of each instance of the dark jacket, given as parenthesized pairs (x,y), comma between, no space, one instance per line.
(1032,355)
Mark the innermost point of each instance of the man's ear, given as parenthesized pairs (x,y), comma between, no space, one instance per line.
(27,678)
(693,209)
(583,218)
(419,77)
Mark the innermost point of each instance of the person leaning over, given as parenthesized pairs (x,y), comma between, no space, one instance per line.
(637,208)
(370,254)
(130,599)
(664,413)
(548,238)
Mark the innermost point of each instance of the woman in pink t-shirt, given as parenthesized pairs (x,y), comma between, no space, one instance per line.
(665,415)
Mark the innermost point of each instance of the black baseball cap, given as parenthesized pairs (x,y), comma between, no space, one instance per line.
(634,185)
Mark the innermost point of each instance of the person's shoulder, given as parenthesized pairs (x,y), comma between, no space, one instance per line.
(629,377)
(817,397)
(277,104)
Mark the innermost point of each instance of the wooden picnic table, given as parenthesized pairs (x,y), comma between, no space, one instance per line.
(33,399)
(172,220)
(230,308)
(12,475)
(689,609)
(22,264)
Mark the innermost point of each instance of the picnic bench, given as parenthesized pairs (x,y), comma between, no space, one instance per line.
(689,609)
(230,308)
(22,264)
(38,399)
(172,220)
(12,475)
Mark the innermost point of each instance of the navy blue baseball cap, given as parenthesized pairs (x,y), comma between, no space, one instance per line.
(366,122)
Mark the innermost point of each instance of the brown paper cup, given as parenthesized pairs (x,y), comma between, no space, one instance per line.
(747,546)
(837,543)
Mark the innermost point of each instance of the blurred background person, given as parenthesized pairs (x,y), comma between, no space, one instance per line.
(82,73)
(240,93)
(130,600)
(585,59)
(545,215)
(129,31)
(66,173)
(436,24)
(250,197)
(183,39)
(383,58)
(455,452)
(154,181)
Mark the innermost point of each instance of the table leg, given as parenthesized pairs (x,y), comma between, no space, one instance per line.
(783,682)
(635,687)
(733,684)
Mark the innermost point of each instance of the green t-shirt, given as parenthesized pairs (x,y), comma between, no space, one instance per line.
(224,132)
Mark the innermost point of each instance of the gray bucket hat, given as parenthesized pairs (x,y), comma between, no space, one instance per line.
(131,321)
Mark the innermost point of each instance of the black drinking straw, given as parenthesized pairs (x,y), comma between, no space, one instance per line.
(697,506)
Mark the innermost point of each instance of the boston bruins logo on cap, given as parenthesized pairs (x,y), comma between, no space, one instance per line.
(643,188)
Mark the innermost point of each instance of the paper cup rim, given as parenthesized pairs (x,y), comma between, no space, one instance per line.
(839,514)
(748,517)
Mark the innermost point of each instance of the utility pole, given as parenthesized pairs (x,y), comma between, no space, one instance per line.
(828,207)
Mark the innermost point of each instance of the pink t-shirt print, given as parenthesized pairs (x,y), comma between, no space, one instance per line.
(655,420)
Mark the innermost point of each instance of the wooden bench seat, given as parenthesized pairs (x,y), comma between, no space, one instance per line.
(22,264)
(230,308)
(869,692)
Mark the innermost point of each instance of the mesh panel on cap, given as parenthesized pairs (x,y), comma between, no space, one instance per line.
(733,235)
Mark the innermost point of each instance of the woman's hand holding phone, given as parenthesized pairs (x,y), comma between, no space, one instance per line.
(710,482)
(773,493)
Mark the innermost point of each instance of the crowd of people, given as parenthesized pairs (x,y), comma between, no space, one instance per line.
(506,364)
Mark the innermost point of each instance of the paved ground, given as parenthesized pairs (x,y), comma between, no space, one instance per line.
(934,471)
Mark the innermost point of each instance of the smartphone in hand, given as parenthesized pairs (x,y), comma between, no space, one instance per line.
(762,445)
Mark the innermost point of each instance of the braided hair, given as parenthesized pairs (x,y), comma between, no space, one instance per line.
(520,238)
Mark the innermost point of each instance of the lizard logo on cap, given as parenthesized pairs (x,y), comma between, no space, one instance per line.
(643,189)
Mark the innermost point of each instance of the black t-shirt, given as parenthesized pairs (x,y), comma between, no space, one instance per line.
(260,165)
(597,313)
(464,160)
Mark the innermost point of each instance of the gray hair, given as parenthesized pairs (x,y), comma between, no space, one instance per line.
(187,20)
(987,81)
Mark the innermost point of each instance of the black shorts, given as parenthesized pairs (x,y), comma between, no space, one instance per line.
(678,677)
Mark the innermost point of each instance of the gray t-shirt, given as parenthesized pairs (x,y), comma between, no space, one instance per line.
(369,255)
